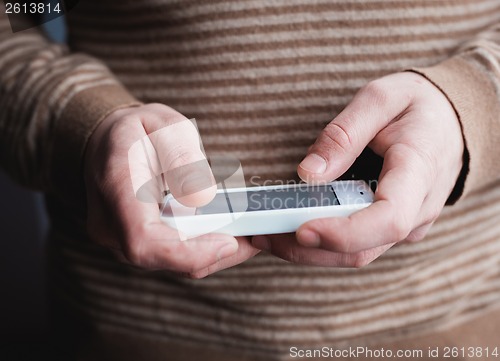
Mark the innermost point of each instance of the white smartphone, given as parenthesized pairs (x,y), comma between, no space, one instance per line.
(267,209)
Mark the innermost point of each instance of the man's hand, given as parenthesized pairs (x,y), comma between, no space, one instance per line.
(128,149)
(410,123)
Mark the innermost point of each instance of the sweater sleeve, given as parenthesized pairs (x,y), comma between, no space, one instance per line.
(471,81)
(50,102)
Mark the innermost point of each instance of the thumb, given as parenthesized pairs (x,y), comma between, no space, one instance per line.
(345,137)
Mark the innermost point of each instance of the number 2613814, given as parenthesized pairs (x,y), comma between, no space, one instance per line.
(32,8)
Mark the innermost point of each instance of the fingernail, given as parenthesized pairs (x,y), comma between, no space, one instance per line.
(227,250)
(308,238)
(313,163)
(261,242)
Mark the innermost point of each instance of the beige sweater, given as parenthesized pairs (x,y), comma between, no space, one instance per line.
(262,78)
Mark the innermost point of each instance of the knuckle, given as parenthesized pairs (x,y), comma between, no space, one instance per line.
(167,114)
(377,91)
(155,106)
(130,117)
(122,126)
(399,227)
(182,155)
(179,156)
(338,136)
(125,121)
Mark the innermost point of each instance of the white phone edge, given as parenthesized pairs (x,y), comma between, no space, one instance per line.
(270,221)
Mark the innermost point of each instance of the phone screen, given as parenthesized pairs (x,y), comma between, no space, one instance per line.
(301,196)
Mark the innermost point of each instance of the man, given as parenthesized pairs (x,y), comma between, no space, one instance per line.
(265,81)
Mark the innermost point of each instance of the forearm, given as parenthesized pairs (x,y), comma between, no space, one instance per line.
(51,101)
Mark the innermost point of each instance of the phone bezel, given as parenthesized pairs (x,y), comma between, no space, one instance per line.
(360,193)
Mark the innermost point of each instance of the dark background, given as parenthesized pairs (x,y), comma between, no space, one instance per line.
(23,293)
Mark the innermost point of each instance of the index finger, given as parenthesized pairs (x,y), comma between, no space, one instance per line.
(344,138)
(169,156)
(399,197)
(146,241)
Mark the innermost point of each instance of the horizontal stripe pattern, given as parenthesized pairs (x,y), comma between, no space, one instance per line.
(292,22)
(225,67)
(275,301)
(37,81)
(225,16)
(262,79)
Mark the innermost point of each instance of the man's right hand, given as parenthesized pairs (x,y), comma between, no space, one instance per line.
(116,164)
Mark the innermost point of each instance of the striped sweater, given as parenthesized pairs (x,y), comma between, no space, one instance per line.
(262,78)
